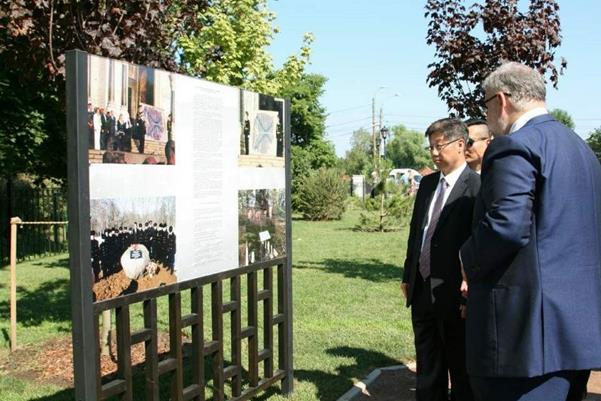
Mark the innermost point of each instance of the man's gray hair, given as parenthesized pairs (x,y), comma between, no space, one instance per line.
(451,129)
(523,83)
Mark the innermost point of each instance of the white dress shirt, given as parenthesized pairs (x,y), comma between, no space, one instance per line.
(451,180)
(527,116)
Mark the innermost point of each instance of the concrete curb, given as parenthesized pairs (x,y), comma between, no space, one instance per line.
(360,386)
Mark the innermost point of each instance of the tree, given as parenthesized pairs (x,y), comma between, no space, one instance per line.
(471,42)
(594,141)
(232,47)
(306,159)
(308,116)
(34,36)
(406,149)
(563,117)
(359,159)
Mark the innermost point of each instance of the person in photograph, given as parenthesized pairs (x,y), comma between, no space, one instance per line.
(139,132)
(97,126)
(533,261)
(478,141)
(105,128)
(170,152)
(112,139)
(432,281)
(113,157)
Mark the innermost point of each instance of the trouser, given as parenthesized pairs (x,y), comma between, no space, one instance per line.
(439,348)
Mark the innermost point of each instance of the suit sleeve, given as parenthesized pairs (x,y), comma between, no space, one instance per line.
(507,191)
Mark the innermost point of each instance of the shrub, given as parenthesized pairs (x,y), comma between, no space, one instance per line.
(322,194)
(394,215)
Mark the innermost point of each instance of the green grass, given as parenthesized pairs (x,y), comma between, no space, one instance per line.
(348,313)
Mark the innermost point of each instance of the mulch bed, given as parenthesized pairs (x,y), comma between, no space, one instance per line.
(52,362)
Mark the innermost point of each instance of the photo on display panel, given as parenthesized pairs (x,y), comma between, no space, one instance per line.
(262,133)
(261,225)
(130,113)
(133,245)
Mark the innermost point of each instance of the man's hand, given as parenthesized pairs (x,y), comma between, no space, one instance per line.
(405,288)
(463,288)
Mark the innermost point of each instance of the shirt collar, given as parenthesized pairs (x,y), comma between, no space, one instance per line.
(527,116)
(453,176)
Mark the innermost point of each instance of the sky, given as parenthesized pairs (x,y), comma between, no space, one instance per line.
(377,49)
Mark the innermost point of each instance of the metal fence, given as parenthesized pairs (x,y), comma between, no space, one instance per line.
(33,204)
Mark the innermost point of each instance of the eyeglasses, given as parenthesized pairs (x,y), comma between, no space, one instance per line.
(470,141)
(494,96)
(441,146)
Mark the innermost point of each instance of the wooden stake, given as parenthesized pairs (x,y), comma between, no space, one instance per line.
(13,282)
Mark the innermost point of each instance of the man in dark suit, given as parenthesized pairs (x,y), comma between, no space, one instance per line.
(441,222)
(533,262)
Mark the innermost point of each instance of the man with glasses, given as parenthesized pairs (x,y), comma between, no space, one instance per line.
(441,222)
(533,262)
(479,138)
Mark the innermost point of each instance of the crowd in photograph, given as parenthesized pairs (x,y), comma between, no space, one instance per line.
(109,245)
(109,131)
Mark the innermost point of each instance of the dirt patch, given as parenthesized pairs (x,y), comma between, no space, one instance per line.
(119,284)
(52,362)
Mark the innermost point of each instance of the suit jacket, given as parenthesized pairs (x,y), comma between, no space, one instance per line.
(452,229)
(534,259)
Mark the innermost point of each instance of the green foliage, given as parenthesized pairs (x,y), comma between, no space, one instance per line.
(389,211)
(406,149)
(22,137)
(304,160)
(359,159)
(321,195)
(594,141)
(308,116)
(33,40)
(232,47)
(563,117)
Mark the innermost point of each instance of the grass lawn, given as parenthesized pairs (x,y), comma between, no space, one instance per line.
(348,313)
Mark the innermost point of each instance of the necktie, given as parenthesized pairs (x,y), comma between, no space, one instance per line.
(424,257)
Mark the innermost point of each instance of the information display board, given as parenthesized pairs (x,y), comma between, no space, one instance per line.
(176,185)
(157,219)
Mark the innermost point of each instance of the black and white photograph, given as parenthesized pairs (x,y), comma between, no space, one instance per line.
(133,243)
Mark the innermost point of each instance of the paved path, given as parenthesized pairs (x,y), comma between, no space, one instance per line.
(398,384)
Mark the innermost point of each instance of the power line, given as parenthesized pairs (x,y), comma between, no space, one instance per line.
(348,122)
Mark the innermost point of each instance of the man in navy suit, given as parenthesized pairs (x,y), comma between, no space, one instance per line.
(441,222)
(533,262)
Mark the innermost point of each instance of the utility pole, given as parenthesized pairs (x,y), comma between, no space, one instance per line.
(380,128)
(373,127)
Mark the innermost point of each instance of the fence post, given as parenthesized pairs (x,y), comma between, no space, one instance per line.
(13,282)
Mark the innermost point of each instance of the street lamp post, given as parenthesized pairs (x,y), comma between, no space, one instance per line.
(384,131)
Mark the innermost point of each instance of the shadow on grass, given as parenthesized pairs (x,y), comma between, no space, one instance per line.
(367,269)
(331,386)
(49,302)
(62,262)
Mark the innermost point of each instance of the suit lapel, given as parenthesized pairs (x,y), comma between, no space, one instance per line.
(458,190)
(427,200)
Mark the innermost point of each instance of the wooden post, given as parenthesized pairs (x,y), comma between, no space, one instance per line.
(13,282)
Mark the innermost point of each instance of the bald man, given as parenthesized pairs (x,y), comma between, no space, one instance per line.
(477,142)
